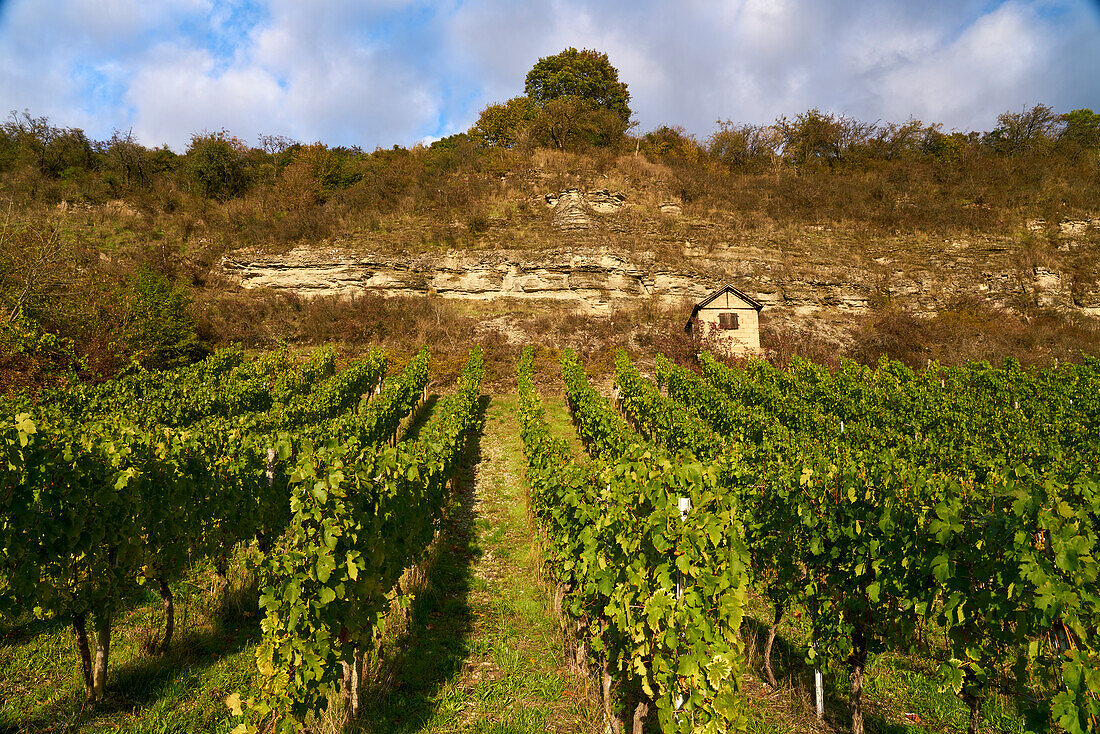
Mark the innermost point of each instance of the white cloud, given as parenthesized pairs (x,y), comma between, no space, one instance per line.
(395,71)
(987,69)
(175,95)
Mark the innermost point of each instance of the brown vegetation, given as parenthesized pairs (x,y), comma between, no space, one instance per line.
(84,217)
(969,330)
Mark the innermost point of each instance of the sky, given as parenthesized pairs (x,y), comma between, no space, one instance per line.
(392,72)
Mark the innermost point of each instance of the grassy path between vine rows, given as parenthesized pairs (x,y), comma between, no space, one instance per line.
(484,653)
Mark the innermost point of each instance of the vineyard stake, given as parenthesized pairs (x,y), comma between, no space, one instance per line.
(683,504)
(819,693)
(819,682)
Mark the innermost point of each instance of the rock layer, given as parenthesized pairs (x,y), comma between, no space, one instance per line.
(601,280)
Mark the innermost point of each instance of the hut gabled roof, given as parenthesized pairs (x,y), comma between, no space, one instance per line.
(721,291)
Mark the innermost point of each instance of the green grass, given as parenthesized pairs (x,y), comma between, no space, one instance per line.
(561,424)
(482,653)
(212,655)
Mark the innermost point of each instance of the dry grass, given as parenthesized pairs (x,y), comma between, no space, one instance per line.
(400,324)
(954,219)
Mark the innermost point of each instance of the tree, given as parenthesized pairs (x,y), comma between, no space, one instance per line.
(745,145)
(503,125)
(216,164)
(668,141)
(36,266)
(821,138)
(1023,132)
(127,162)
(158,330)
(1082,128)
(569,122)
(586,75)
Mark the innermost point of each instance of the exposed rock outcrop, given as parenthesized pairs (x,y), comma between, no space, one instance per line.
(574,209)
(590,280)
(603,201)
(597,280)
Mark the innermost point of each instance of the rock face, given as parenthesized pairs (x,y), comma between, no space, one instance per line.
(599,280)
(591,281)
(574,209)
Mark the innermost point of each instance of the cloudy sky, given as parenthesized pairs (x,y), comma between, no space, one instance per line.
(384,72)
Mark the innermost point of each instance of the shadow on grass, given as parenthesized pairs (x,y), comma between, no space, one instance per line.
(19,629)
(26,627)
(412,430)
(789,664)
(440,621)
(146,679)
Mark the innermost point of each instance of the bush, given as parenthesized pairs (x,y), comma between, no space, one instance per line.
(216,165)
(158,330)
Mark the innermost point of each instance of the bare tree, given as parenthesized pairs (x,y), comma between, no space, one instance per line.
(33,263)
(129,158)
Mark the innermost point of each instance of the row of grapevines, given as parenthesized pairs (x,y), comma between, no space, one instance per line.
(658,419)
(361,514)
(601,429)
(378,419)
(91,510)
(961,419)
(620,544)
(223,384)
(94,509)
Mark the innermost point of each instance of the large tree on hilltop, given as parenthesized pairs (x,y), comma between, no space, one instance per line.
(586,75)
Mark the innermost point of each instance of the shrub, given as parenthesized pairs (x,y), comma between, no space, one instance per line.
(158,331)
(216,165)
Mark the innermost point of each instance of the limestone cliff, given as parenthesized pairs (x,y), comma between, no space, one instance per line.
(597,249)
(600,279)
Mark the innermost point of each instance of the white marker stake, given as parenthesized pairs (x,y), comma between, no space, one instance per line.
(819,682)
(819,694)
(684,506)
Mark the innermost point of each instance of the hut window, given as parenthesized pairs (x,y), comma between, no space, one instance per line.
(727,320)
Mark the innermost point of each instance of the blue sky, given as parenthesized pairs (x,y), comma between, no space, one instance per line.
(397,72)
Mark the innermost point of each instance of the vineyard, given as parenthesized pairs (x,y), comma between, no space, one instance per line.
(892,506)
(946,515)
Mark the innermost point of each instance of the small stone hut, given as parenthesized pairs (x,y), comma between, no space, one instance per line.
(727,320)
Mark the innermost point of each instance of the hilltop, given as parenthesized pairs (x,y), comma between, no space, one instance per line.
(860,239)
